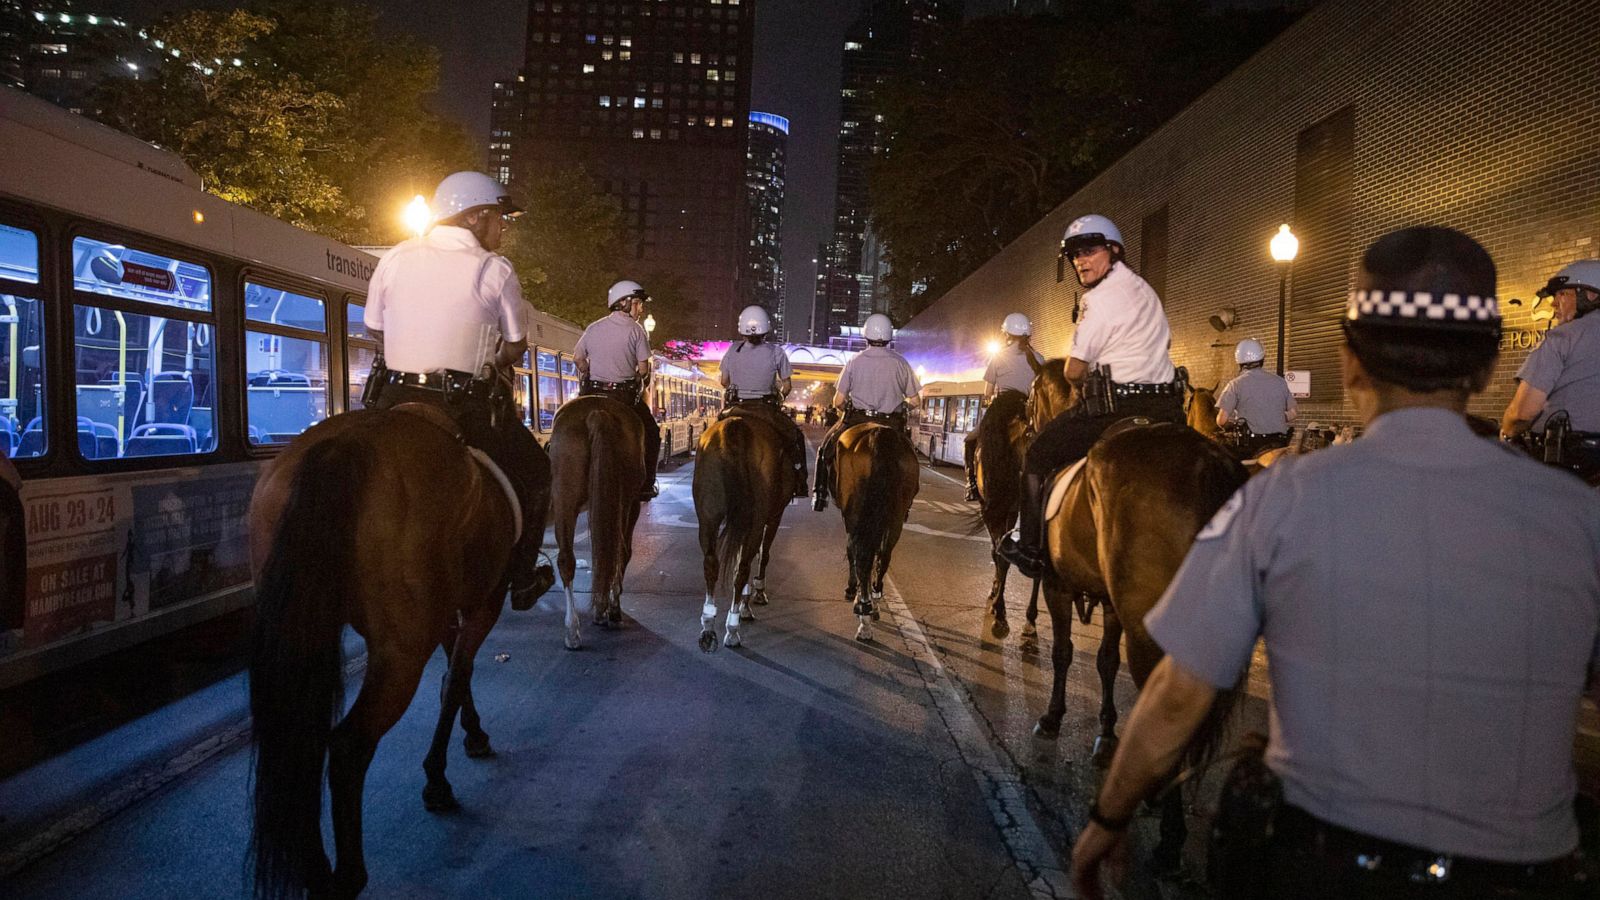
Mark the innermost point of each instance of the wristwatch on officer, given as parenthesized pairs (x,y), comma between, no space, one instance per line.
(1106,822)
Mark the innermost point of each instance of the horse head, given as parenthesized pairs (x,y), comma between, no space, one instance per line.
(1052,394)
(1202,411)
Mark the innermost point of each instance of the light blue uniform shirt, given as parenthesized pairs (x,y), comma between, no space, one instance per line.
(1567,368)
(878,380)
(1430,602)
(1259,397)
(614,345)
(754,369)
(1008,369)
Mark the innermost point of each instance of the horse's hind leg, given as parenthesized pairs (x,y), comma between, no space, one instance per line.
(457,686)
(567,565)
(708,609)
(1108,661)
(758,596)
(997,597)
(1060,602)
(386,691)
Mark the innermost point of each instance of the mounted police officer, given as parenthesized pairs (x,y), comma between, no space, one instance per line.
(758,377)
(613,359)
(1008,379)
(1258,403)
(1119,353)
(1425,689)
(877,384)
(1558,386)
(450,320)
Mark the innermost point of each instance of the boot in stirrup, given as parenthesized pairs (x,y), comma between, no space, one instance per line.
(1025,550)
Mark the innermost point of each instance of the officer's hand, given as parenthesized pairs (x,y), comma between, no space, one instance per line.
(1096,847)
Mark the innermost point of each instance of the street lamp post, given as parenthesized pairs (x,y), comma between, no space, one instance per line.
(1284,245)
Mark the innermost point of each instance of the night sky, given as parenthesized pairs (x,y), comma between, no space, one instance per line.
(797,56)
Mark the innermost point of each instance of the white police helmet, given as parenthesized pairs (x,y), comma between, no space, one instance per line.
(1017,325)
(1585,273)
(878,328)
(1087,231)
(625,290)
(754,320)
(464,191)
(1249,351)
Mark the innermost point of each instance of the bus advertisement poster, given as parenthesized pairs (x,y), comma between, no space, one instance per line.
(104,550)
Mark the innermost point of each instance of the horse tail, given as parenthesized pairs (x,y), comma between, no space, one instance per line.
(877,496)
(303,597)
(739,495)
(608,507)
(1002,473)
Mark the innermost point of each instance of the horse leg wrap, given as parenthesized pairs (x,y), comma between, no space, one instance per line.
(863,607)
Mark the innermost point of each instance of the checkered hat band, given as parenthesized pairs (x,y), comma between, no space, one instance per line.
(1422,306)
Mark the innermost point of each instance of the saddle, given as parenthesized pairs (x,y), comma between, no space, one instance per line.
(1063,479)
(441,420)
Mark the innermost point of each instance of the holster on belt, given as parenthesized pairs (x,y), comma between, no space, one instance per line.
(373,389)
(1251,796)
(1096,397)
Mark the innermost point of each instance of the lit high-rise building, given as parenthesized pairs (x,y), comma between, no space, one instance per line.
(764,185)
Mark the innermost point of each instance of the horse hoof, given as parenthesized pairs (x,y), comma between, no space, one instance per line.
(615,616)
(1001,629)
(574,642)
(732,639)
(439,798)
(708,641)
(744,613)
(1030,630)
(1044,728)
(760,598)
(477,748)
(864,630)
(1104,749)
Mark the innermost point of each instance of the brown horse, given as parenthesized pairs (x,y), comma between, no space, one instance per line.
(596,461)
(384,521)
(875,479)
(742,484)
(997,461)
(1201,412)
(1123,529)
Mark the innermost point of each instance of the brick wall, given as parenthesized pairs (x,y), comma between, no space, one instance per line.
(1468,113)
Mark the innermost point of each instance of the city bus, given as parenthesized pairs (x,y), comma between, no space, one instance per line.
(157,344)
(950,411)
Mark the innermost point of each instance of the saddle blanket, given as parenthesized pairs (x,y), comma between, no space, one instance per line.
(1058,488)
(505,485)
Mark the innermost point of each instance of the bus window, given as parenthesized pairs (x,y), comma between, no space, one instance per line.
(286,368)
(145,385)
(19,255)
(522,388)
(22,421)
(569,377)
(114,270)
(549,384)
(360,352)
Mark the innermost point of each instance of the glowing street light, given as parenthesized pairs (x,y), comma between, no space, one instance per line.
(649,324)
(993,347)
(1284,246)
(417,215)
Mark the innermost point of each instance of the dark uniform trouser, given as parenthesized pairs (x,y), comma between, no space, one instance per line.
(1007,403)
(1309,860)
(774,415)
(511,446)
(830,441)
(652,429)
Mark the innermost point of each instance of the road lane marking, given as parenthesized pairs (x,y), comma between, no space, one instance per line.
(998,781)
(934,532)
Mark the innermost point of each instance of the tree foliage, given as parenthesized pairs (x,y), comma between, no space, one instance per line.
(322,121)
(565,246)
(1004,117)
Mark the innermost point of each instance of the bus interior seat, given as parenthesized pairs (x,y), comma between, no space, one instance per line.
(87,446)
(173,393)
(281,405)
(133,402)
(161,439)
(32,441)
(8,434)
(201,420)
(280,379)
(256,437)
(106,444)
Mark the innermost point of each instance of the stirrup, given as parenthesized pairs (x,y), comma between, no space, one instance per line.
(819,501)
(1028,560)
(972,493)
(524,596)
(650,492)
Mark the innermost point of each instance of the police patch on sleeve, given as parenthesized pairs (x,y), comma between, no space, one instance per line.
(1218,526)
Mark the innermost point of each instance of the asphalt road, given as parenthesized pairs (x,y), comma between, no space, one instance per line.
(802,764)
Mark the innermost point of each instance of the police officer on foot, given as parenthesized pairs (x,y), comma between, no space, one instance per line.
(1123,337)
(876,384)
(613,359)
(445,309)
(1425,692)
(1563,373)
(758,377)
(1258,400)
(1008,379)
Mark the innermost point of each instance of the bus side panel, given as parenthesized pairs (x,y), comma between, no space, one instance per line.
(109,551)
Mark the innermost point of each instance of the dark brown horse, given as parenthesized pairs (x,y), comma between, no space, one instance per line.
(1123,529)
(999,446)
(382,520)
(875,479)
(597,462)
(742,484)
